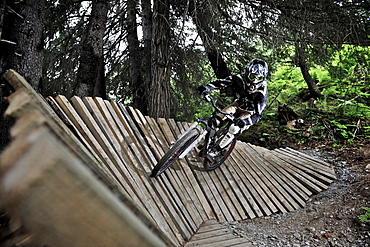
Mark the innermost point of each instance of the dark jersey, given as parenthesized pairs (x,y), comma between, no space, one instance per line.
(254,102)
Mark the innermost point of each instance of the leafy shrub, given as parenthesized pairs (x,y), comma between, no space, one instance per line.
(366,216)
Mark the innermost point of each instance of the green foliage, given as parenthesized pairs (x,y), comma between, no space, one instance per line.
(341,116)
(287,82)
(364,218)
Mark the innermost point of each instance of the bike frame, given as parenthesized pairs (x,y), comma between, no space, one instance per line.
(202,131)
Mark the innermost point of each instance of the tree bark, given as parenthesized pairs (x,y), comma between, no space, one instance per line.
(23,27)
(147,25)
(203,22)
(159,97)
(90,75)
(301,55)
(136,84)
(2,13)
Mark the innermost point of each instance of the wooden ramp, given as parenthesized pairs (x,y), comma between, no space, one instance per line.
(116,147)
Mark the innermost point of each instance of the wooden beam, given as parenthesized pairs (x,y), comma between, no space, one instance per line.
(62,203)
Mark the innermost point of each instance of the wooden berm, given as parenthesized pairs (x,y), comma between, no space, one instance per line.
(76,173)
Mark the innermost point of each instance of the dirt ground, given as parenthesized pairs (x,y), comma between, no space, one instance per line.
(330,217)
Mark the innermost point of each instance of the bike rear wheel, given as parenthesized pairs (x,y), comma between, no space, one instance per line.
(222,156)
(175,151)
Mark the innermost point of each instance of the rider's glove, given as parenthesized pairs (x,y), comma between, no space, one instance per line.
(203,89)
(240,123)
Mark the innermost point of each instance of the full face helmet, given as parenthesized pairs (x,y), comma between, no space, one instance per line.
(256,73)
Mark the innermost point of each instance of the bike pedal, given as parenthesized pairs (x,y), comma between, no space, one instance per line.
(211,157)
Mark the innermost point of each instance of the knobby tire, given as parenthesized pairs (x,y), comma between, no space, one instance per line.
(175,151)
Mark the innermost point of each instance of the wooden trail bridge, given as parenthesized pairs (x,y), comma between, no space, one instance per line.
(77,174)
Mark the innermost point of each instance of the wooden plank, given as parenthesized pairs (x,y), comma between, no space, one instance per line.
(315,164)
(242,193)
(171,183)
(324,165)
(247,185)
(134,132)
(68,121)
(134,179)
(193,169)
(310,182)
(210,190)
(51,193)
(184,179)
(82,129)
(216,234)
(197,169)
(142,186)
(31,101)
(223,240)
(207,223)
(296,189)
(236,196)
(191,178)
(106,163)
(128,135)
(308,167)
(158,184)
(157,151)
(23,101)
(67,140)
(281,188)
(165,188)
(116,167)
(210,228)
(97,145)
(217,193)
(272,195)
(227,194)
(210,234)
(182,185)
(253,182)
(146,186)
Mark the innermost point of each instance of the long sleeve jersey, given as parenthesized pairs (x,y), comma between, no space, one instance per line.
(254,102)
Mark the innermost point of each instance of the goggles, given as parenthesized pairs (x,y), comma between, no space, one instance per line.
(255,78)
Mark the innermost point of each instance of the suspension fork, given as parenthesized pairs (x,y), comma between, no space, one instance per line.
(193,144)
(202,133)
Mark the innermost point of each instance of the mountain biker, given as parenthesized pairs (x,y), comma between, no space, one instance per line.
(250,94)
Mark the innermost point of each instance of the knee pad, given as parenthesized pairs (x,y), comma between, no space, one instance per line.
(234,129)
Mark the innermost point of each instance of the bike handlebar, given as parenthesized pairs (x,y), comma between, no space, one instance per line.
(209,99)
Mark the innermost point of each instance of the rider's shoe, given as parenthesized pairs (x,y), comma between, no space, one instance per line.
(219,152)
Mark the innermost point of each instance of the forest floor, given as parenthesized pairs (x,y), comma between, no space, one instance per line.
(330,217)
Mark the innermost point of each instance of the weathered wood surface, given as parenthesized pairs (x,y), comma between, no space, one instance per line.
(121,146)
(211,233)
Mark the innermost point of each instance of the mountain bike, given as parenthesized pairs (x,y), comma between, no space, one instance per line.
(208,133)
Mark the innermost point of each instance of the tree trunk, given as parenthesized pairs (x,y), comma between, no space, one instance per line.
(2,13)
(301,54)
(21,47)
(136,82)
(90,75)
(203,22)
(147,25)
(159,103)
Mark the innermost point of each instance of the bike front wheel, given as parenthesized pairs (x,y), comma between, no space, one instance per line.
(175,151)
(221,156)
